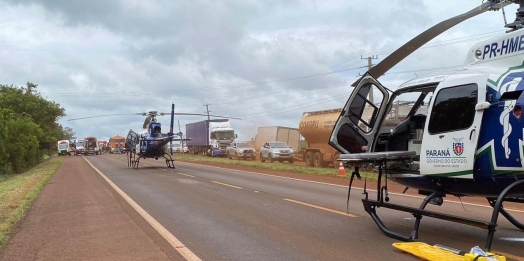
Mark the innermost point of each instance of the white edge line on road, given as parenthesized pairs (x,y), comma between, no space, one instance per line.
(335,185)
(181,248)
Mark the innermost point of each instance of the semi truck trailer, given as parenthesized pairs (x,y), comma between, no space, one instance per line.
(290,136)
(210,137)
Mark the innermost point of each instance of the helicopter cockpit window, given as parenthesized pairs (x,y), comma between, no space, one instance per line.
(454,109)
(157,129)
(364,108)
(406,105)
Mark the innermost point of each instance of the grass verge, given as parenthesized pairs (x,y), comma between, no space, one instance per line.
(272,166)
(18,191)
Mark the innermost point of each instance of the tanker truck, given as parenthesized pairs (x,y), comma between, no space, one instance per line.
(316,128)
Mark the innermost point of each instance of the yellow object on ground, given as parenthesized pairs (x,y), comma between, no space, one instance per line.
(433,253)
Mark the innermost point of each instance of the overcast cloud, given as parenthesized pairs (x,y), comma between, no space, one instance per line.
(264,61)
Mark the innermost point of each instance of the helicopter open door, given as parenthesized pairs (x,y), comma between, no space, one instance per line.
(132,140)
(358,123)
(452,129)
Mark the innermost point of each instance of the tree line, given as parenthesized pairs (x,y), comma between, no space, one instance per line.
(27,120)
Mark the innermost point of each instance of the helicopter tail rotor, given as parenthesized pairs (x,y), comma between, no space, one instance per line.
(181,135)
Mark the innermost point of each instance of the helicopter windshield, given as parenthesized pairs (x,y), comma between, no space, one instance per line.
(223,135)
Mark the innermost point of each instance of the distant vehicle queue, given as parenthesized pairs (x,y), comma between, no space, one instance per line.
(90,145)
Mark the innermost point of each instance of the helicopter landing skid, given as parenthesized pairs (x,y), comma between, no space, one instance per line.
(382,200)
(170,162)
(132,159)
(370,207)
(507,215)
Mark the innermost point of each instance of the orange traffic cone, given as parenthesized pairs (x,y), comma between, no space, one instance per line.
(341,170)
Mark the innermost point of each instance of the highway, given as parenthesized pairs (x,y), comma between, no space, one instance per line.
(222,214)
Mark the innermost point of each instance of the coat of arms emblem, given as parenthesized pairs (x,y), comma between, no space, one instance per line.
(458,146)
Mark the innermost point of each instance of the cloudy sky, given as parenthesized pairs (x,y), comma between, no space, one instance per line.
(266,62)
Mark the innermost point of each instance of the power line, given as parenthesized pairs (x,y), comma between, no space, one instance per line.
(305,105)
(299,108)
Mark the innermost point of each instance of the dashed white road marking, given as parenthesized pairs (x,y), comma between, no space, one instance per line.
(225,184)
(345,186)
(185,174)
(321,208)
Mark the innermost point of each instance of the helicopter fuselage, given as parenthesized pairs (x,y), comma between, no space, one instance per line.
(470,141)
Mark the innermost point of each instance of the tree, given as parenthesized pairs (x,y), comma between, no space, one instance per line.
(26,119)
(19,149)
(68,133)
(43,112)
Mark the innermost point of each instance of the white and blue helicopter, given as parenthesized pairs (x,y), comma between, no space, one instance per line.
(150,142)
(470,141)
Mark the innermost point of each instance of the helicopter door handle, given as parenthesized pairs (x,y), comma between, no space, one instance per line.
(471,133)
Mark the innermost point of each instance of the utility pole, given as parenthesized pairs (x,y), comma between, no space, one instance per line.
(207,110)
(370,65)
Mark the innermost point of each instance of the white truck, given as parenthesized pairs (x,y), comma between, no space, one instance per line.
(210,137)
(79,146)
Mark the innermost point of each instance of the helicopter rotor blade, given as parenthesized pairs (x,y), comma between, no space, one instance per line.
(97,116)
(421,39)
(200,114)
(158,114)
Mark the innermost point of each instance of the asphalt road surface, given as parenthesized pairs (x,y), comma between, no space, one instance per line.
(223,214)
(234,215)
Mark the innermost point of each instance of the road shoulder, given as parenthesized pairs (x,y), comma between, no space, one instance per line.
(78,217)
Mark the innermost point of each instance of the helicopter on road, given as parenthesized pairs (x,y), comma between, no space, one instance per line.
(151,142)
(470,142)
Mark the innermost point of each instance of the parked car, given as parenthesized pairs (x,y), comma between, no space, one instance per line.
(240,150)
(279,151)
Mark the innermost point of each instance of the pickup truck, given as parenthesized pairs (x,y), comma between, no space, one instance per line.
(240,150)
(279,151)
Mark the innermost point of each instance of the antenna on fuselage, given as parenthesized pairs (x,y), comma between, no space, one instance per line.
(519,20)
(504,16)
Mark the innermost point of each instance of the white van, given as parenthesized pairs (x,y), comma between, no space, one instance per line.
(63,147)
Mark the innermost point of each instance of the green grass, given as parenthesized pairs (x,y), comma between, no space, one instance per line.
(18,191)
(272,166)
